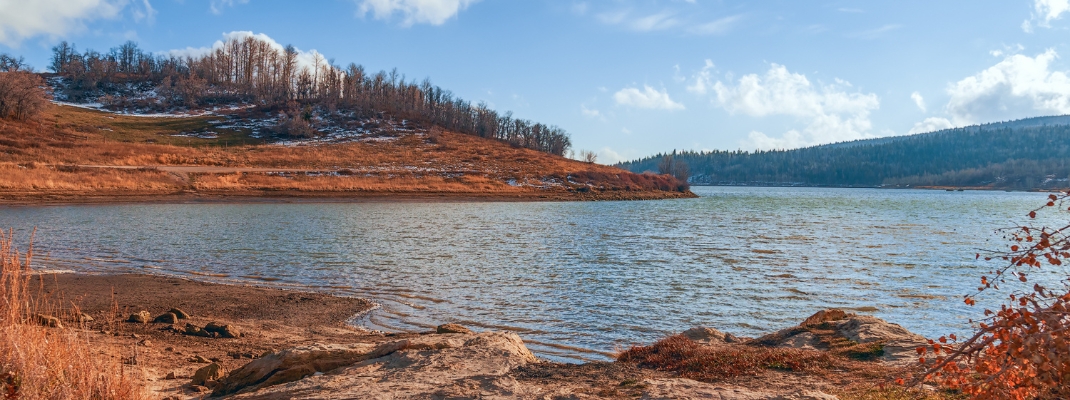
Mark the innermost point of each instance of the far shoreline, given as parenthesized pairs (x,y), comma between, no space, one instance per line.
(284,197)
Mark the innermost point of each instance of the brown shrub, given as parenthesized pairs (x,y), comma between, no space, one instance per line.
(22,95)
(709,363)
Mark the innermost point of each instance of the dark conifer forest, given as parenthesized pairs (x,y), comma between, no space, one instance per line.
(1026,154)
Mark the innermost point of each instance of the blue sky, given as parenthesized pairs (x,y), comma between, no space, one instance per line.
(629,78)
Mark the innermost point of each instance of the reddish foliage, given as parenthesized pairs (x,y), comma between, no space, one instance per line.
(695,361)
(1020,351)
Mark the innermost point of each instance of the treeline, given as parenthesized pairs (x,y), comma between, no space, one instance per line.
(1030,157)
(251,70)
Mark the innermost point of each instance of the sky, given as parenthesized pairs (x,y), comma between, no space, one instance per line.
(632,78)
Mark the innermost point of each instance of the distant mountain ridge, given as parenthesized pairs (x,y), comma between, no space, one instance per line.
(1053,120)
(1032,153)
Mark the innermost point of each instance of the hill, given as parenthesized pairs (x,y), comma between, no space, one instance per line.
(76,154)
(1032,153)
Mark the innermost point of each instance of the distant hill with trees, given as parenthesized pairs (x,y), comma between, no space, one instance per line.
(257,72)
(1031,153)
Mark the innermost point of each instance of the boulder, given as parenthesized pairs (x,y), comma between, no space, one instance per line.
(194,330)
(899,344)
(166,318)
(84,318)
(452,328)
(140,317)
(207,374)
(227,331)
(179,313)
(293,364)
(823,316)
(426,366)
(48,320)
(707,335)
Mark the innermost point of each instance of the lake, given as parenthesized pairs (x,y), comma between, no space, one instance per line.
(577,280)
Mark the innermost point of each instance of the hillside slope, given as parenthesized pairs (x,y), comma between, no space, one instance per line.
(1026,154)
(77,154)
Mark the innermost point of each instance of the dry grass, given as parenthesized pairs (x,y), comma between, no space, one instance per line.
(42,362)
(711,363)
(444,163)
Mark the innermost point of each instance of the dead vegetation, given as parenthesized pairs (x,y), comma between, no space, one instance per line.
(42,354)
(49,156)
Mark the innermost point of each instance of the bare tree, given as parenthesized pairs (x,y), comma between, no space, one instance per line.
(588,156)
(22,95)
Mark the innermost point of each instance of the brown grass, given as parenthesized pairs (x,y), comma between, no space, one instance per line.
(30,153)
(710,363)
(42,362)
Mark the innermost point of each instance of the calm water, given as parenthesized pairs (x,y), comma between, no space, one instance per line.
(576,280)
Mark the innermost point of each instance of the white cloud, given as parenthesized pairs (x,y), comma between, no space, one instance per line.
(716,27)
(306,59)
(434,12)
(647,98)
(608,156)
(589,112)
(918,100)
(702,79)
(831,113)
(216,6)
(1046,11)
(1017,87)
(23,19)
(931,124)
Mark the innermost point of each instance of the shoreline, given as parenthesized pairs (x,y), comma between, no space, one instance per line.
(282,197)
(303,326)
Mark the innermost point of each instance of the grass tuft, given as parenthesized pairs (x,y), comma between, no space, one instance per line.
(41,357)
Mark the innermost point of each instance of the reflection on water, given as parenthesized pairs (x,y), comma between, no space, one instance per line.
(576,280)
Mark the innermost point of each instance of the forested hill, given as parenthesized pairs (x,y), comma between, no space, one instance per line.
(1024,154)
(309,93)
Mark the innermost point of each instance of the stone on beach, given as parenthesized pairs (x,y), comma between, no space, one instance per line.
(166,318)
(223,330)
(48,320)
(708,335)
(179,313)
(194,330)
(208,374)
(140,317)
(452,328)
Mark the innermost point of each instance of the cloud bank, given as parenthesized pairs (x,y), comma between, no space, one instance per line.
(831,113)
(21,20)
(1017,87)
(433,12)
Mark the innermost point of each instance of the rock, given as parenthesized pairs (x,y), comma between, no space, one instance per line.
(899,344)
(427,366)
(226,331)
(84,318)
(293,364)
(208,373)
(452,328)
(141,317)
(166,318)
(804,340)
(170,375)
(145,343)
(706,335)
(48,320)
(822,316)
(194,330)
(179,313)
(198,359)
(169,348)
